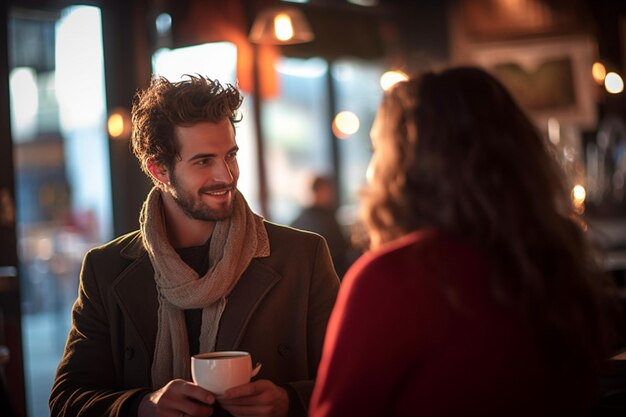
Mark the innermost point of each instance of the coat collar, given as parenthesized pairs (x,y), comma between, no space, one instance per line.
(134,248)
(136,293)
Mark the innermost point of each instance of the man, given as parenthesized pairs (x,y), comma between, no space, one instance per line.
(203,273)
(320,217)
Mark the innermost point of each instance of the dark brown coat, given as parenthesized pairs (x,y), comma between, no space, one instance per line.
(278,311)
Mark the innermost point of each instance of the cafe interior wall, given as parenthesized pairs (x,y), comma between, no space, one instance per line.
(550,46)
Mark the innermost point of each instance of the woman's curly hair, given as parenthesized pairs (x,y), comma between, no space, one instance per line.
(164,105)
(454,151)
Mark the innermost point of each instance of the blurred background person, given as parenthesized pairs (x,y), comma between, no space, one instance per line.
(480,295)
(321,217)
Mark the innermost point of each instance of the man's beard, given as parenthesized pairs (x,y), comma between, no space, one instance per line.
(193,206)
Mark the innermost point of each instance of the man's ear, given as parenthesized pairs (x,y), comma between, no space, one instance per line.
(158,171)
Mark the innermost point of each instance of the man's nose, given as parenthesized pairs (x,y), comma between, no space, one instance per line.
(223,173)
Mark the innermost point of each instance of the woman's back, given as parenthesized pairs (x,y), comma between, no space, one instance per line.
(417,330)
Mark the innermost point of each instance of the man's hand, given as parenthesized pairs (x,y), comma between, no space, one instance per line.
(256,399)
(178,398)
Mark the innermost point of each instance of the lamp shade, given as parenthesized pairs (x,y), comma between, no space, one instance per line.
(281,25)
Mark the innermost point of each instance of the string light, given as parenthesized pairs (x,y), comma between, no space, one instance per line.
(391,78)
(598,71)
(118,124)
(579,194)
(345,124)
(613,83)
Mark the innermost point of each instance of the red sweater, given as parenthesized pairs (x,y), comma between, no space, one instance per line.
(416,332)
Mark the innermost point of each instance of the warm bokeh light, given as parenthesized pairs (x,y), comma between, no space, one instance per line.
(599,72)
(118,124)
(283,27)
(345,124)
(613,83)
(554,131)
(390,78)
(579,193)
(578,198)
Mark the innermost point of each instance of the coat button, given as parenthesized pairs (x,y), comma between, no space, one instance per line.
(129,352)
(284,349)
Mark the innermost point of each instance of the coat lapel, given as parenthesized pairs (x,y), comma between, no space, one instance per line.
(250,290)
(135,290)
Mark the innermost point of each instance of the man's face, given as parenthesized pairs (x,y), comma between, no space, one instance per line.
(204,180)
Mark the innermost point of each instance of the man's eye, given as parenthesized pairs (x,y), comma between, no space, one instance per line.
(202,162)
(232,155)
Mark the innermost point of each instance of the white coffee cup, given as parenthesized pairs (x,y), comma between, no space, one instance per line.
(219,371)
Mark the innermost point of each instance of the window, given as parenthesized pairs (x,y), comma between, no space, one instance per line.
(62,176)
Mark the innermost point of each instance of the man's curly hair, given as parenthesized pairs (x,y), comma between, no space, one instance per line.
(165,105)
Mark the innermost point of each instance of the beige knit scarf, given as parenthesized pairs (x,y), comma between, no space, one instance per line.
(235,241)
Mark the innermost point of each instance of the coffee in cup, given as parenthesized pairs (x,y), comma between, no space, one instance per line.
(219,371)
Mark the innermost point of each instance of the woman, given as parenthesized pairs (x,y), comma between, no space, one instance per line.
(480,295)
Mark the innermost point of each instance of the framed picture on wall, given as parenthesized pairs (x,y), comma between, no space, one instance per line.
(550,78)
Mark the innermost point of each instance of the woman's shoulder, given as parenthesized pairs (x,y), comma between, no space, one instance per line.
(418,245)
(419,254)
